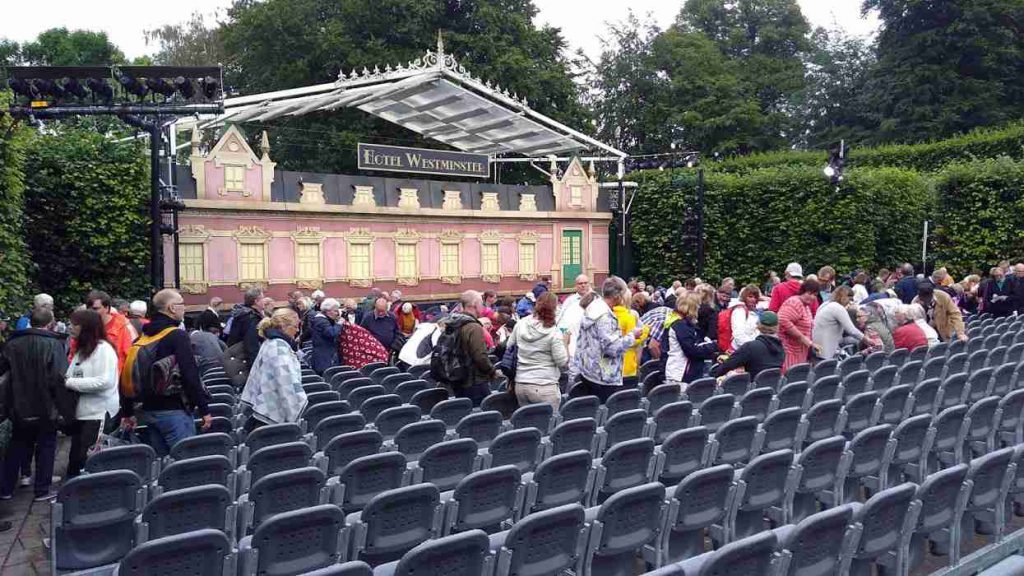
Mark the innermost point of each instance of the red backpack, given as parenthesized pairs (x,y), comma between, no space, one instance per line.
(725,329)
(357,347)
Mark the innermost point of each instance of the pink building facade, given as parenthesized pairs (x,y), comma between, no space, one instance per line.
(245,224)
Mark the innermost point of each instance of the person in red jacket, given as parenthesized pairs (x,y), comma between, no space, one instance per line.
(119,331)
(908,335)
(790,287)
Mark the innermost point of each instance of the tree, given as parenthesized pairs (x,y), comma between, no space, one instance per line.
(945,66)
(189,43)
(14,263)
(280,44)
(59,47)
(831,106)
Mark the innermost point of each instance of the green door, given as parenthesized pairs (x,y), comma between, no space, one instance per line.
(572,256)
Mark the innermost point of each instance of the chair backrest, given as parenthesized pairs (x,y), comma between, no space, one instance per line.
(197,472)
(201,553)
(347,388)
(406,390)
(209,444)
(926,397)
(464,554)
(683,453)
(138,458)
(483,427)
(623,426)
(573,435)
(765,479)
(272,435)
(343,449)
(285,491)
(751,555)
(737,384)
(882,518)
(537,416)
(391,420)
(372,407)
(874,361)
(734,441)
(367,476)
(824,388)
(104,501)
(378,375)
(452,410)
(954,390)
(996,356)
(780,429)
(486,499)
(918,354)
(988,473)
(822,420)
(910,437)
(397,520)
(561,480)
(519,448)
(982,416)
(898,357)
(976,359)
(360,395)
(340,377)
(824,368)
(1002,379)
(427,399)
(626,464)
(332,426)
(414,439)
(856,383)
(955,364)
(939,494)
(792,395)
(948,425)
(883,378)
(933,368)
(670,418)
(369,369)
(770,378)
(850,365)
(631,519)
(621,401)
(314,414)
(815,544)
(278,458)
(662,395)
(757,403)
(979,384)
(446,463)
(545,542)
(701,498)
(582,407)
(299,541)
(798,373)
(700,390)
(859,410)
(1011,409)
(892,406)
(188,509)
(716,410)
(316,388)
(391,382)
(503,402)
(819,464)
(868,448)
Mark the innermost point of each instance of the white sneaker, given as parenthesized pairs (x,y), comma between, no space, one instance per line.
(25,481)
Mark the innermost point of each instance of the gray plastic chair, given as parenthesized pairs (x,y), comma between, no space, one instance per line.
(622,401)
(546,542)
(413,439)
(760,485)
(408,389)
(752,555)
(1010,416)
(996,356)
(874,361)
(855,383)
(898,357)
(372,407)
(102,503)
(700,390)
(1003,379)
(733,444)
(185,510)
(859,410)
(320,397)
(482,427)
(204,552)
(277,458)
(365,390)
(716,411)
(942,497)
(850,365)
(391,420)
(446,463)
(670,418)
(824,369)
(537,416)
(427,399)
(757,403)
(983,425)
(865,465)
(294,542)
(345,448)
(627,464)
(270,435)
(954,390)
(909,450)
(452,411)
(909,372)
(484,500)
(770,378)
(698,502)
(956,363)
(979,385)
(558,481)
(933,368)
(926,397)
(883,378)
(519,448)
(391,383)
(377,376)
(572,435)
(138,458)
(817,477)
(818,545)
(779,431)
(623,426)
(281,492)
(662,395)
(985,513)
(504,402)
(791,395)
(338,379)
(624,525)
(582,407)
(315,414)
(823,389)
(948,434)
(682,453)
(209,444)
(197,472)
(885,521)
(976,359)
(798,373)
(465,554)
(736,384)
(332,426)
(365,477)
(822,421)
(893,405)
(393,523)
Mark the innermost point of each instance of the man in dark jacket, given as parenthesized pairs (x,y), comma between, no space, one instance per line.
(997,294)
(244,322)
(906,288)
(474,348)
(34,363)
(324,332)
(210,317)
(167,419)
(761,353)
(381,323)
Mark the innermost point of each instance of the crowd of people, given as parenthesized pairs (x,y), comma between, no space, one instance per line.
(117,366)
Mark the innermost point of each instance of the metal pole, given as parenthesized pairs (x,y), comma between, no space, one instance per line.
(700,222)
(156,271)
(924,250)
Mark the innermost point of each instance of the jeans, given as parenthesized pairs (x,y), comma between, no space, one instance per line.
(84,436)
(164,428)
(38,437)
(477,392)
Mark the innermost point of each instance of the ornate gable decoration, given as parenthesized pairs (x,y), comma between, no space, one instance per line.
(450,236)
(576,190)
(359,235)
(232,148)
(233,153)
(193,233)
(407,236)
(251,235)
(308,235)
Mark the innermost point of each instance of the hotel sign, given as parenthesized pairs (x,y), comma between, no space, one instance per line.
(422,161)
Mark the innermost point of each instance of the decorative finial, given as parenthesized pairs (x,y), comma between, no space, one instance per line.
(591,171)
(440,44)
(196,140)
(265,146)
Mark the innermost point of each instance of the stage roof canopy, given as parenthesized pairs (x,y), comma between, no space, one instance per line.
(433,96)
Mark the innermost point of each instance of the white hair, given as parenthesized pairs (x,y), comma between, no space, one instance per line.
(42,300)
(329,304)
(317,294)
(138,307)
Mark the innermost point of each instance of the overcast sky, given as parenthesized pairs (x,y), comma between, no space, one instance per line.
(582,21)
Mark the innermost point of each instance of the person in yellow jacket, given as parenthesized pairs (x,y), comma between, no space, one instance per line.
(628,320)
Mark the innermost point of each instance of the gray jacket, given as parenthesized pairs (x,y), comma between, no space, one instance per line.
(542,354)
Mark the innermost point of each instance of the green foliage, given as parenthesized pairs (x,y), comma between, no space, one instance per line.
(978,220)
(60,47)
(190,43)
(763,219)
(86,219)
(13,255)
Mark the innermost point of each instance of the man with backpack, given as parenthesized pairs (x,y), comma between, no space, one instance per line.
(160,373)
(460,357)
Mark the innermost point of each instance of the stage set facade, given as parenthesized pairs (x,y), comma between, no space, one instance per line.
(246,223)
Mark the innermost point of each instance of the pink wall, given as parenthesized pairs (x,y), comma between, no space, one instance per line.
(509,257)
(471,257)
(599,246)
(430,257)
(254,182)
(383,258)
(214,180)
(223,264)
(282,258)
(335,257)
(544,255)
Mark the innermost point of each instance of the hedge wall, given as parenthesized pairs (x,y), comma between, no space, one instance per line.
(13,255)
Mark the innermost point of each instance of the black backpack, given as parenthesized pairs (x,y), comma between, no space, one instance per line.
(448,363)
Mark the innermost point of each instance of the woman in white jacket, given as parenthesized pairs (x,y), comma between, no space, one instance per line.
(93,374)
(541,356)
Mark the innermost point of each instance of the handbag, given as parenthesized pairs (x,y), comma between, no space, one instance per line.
(236,365)
(509,362)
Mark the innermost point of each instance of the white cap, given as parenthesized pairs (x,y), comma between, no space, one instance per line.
(407,308)
(138,307)
(318,294)
(794,270)
(531,297)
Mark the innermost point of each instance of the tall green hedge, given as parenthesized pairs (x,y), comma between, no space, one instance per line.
(13,255)
(763,219)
